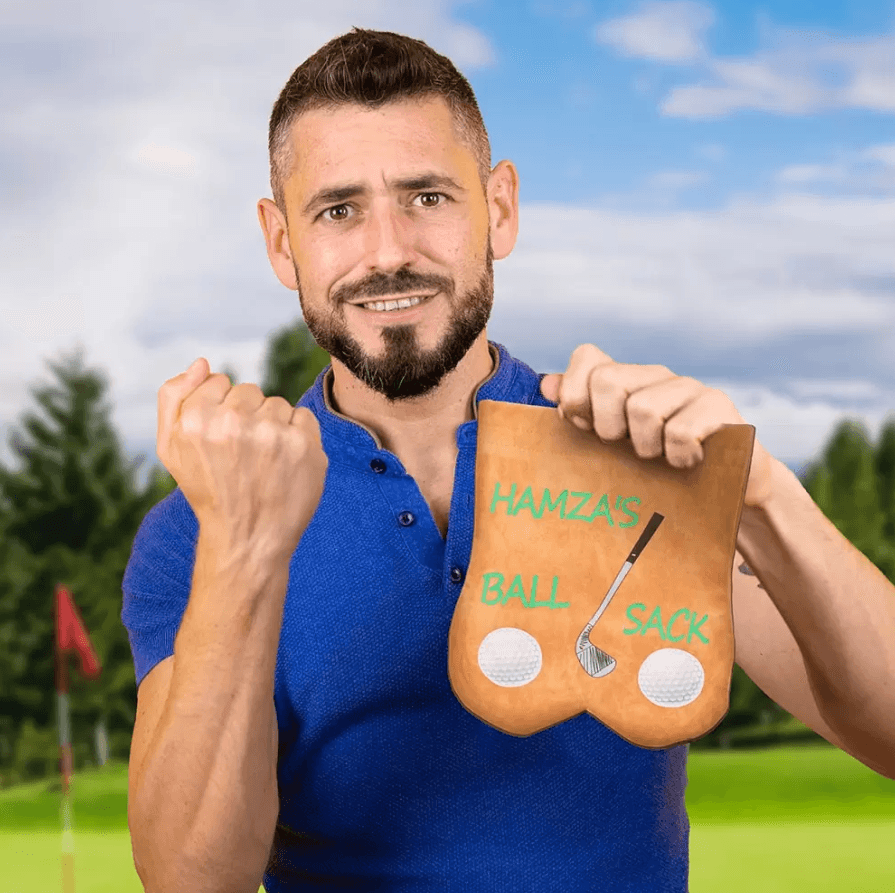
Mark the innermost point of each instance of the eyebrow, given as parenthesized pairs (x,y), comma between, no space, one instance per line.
(333,195)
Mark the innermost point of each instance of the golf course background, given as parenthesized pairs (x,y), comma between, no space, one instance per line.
(772,806)
(781,820)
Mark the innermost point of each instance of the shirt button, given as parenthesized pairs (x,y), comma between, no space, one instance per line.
(405,519)
(378,466)
(456,574)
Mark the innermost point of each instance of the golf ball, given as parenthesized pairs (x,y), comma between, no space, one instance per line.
(671,677)
(510,657)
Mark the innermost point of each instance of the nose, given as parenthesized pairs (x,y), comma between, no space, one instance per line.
(390,237)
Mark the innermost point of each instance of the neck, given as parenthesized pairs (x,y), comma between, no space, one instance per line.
(421,426)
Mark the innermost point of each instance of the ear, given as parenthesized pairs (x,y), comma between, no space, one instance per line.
(276,235)
(503,208)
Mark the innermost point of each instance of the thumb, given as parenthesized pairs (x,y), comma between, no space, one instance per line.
(172,394)
(550,387)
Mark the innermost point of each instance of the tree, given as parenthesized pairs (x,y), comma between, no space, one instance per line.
(884,467)
(70,512)
(292,363)
(74,486)
(852,484)
(849,485)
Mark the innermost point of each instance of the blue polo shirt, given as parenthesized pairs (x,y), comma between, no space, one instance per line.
(386,782)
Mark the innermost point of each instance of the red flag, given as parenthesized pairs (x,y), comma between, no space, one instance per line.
(71,635)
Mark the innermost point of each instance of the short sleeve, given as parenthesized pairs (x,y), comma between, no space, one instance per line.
(158,579)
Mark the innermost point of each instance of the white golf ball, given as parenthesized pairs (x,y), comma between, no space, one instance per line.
(671,677)
(510,657)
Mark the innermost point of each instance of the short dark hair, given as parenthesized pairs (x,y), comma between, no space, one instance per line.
(372,68)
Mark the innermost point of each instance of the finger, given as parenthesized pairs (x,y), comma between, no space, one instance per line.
(283,411)
(172,394)
(303,418)
(572,392)
(609,387)
(550,386)
(687,429)
(648,409)
(248,397)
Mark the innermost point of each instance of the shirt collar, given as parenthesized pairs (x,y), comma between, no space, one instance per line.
(506,382)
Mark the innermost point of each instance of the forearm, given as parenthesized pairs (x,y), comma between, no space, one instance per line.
(208,782)
(839,607)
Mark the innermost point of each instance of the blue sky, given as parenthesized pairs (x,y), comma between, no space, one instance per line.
(600,97)
(709,186)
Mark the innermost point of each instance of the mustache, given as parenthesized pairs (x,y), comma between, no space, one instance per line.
(403,282)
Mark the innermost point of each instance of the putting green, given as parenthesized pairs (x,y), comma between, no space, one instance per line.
(793,857)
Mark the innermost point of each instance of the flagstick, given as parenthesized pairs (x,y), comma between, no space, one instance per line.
(68,841)
(70,636)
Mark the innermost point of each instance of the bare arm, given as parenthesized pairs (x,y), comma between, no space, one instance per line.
(204,799)
(835,650)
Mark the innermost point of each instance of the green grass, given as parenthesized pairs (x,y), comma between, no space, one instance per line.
(803,784)
(30,862)
(791,820)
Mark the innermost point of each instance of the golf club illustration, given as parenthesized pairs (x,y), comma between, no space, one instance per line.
(595,662)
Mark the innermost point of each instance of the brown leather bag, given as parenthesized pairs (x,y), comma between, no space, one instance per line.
(598,581)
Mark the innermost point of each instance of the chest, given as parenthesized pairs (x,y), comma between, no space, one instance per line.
(437,487)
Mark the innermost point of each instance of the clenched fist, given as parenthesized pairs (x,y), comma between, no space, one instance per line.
(251,467)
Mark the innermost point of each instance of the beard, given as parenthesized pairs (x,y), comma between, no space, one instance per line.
(404,370)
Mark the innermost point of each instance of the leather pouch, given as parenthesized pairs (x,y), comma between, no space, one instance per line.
(598,581)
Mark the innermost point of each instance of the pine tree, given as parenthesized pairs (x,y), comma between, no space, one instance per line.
(70,512)
(848,486)
(292,363)
(885,473)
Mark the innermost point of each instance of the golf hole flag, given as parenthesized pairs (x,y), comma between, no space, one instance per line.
(70,636)
(598,581)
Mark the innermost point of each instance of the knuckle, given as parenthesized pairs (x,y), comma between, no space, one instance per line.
(191,422)
(606,378)
(640,407)
(268,431)
(277,403)
(677,436)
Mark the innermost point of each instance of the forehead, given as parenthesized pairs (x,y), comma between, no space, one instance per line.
(359,143)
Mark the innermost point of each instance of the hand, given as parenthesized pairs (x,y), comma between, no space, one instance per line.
(252,468)
(661,412)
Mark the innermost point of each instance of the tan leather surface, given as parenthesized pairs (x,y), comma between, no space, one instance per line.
(576,549)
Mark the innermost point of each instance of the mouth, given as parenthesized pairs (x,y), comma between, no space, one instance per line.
(396,308)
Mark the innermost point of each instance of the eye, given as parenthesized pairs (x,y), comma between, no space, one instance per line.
(341,218)
(431,195)
(334,208)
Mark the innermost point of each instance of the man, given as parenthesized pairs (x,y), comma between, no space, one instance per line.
(288,605)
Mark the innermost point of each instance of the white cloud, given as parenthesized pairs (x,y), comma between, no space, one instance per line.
(131,227)
(134,148)
(165,159)
(811,173)
(762,284)
(884,154)
(852,389)
(667,30)
(752,271)
(795,72)
(870,170)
